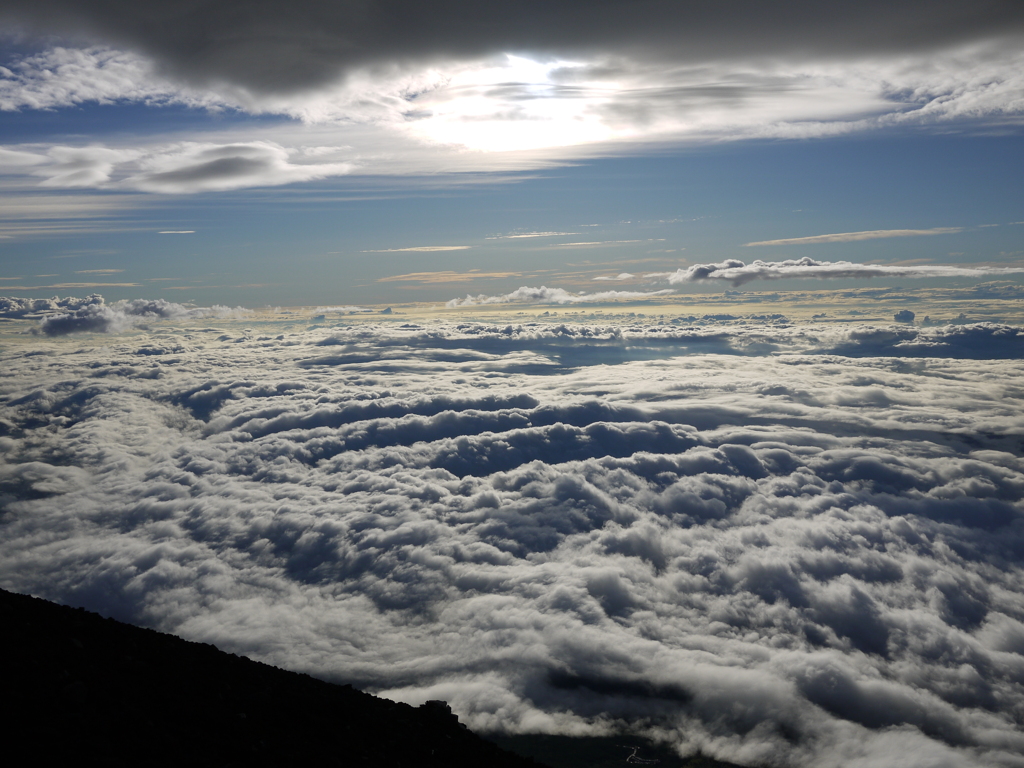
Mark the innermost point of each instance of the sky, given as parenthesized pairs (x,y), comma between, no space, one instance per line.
(302,154)
(597,368)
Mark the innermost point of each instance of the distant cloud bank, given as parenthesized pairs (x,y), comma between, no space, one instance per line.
(59,317)
(731,271)
(738,273)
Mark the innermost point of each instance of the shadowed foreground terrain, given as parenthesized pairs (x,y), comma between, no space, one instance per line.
(89,687)
(85,687)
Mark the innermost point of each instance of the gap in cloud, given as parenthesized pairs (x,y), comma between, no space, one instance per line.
(91,122)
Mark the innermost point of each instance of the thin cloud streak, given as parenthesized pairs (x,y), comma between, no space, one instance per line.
(445,276)
(422,248)
(532,234)
(848,237)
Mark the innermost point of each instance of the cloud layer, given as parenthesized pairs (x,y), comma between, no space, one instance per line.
(775,543)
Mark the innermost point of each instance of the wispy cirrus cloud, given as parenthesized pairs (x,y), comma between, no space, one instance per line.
(446,276)
(63,286)
(522,235)
(849,237)
(596,244)
(421,248)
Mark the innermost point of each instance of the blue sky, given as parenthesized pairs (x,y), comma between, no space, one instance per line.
(128,171)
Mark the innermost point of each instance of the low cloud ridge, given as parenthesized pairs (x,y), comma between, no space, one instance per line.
(737,273)
(93,314)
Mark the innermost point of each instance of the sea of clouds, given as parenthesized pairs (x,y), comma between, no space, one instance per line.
(796,544)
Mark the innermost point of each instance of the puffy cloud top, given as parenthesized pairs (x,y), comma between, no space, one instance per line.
(59,317)
(15,306)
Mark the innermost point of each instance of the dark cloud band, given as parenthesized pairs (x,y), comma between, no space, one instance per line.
(287,46)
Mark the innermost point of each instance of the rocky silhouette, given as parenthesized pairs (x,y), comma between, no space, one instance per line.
(83,689)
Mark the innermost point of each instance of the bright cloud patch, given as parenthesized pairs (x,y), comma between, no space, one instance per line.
(782,545)
(64,77)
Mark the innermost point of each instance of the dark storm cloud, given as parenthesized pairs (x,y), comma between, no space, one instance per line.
(286,46)
(794,559)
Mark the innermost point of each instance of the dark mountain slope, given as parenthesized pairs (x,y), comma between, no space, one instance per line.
(82,689)
(89,690)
